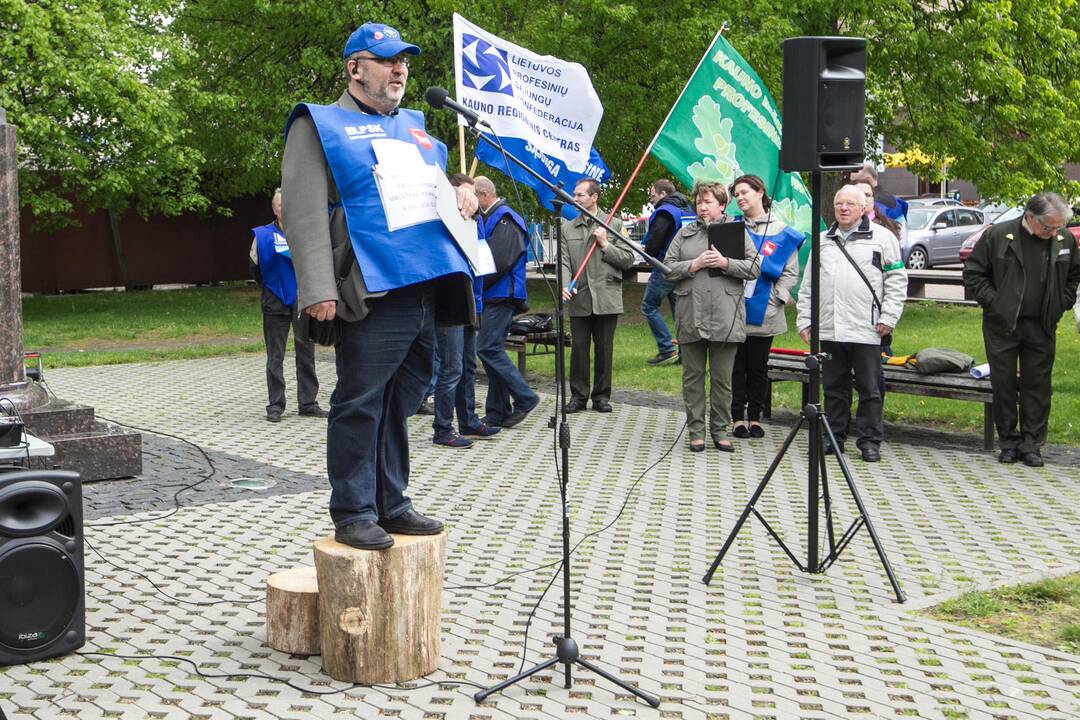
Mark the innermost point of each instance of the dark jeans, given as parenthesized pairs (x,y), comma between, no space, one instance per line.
(865,362)
(504,380)
(655,291)
(1033,350)
(276,335)
(456,389)
(750,378)
(384,365)
(586,331)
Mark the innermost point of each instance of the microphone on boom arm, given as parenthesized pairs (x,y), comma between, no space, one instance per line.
(440,99)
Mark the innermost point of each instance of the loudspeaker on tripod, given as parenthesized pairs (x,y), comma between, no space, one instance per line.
(824,104)
(42,602)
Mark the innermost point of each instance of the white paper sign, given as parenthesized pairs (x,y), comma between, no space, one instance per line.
(462,229)
(406,184)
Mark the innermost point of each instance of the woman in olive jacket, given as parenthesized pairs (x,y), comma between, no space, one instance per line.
(710,315)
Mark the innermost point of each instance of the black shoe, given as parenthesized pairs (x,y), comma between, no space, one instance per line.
(830,450)
(365,535)
(723,445)
(411,522)
(601,406)
(664,358)
(575,405)
(316,411)
(273,416)
(697,448)
(426,408)
(518,415)
(756,431)
(1009,455)
(870,453)
(1032,459)
(741,431)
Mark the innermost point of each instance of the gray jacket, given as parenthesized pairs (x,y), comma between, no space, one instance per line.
(322,254)
(707,307)
(599,289)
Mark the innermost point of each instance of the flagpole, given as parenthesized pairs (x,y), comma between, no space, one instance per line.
(633,176)
(461,145)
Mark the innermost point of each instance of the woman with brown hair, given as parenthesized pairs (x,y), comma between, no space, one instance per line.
(709,315)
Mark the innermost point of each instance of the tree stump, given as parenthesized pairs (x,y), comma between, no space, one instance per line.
(379,609)
(292,611)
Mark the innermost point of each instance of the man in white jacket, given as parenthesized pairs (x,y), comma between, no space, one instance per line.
(863,286)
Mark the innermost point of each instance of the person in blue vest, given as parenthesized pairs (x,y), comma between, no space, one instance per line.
(455,350)
(271,267)
(766,296)
(384,272)
(509,397)
(671,212)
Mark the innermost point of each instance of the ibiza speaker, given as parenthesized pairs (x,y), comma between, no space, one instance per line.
(42,603)
(824,104)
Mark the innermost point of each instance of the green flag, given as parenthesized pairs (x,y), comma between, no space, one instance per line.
(724,125)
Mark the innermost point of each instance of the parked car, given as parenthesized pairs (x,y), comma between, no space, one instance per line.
(935,234)
(934,201)
(1012,214)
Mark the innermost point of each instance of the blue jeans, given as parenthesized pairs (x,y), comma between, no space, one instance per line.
(435,372)
(384,364)
(655,291)
(456,389)
(504,380)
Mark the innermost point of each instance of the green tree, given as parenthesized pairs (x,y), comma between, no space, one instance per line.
(96,122)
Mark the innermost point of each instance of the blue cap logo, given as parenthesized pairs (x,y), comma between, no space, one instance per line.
(484,66)
(379,40)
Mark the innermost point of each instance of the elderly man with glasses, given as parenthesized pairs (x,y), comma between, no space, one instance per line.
(861,298)
(1024,274)
(384,272)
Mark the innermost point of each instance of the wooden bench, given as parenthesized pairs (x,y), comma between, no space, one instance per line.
(919,279)
(951,386)
(542,344)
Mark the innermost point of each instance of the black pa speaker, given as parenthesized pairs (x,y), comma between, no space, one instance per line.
(42,605)
(824,104)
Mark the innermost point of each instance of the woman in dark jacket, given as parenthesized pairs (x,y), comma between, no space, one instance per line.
(710,317)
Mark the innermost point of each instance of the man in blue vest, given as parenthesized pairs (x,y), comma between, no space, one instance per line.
(272,268)
(671,211)
(509,397)
(385,272)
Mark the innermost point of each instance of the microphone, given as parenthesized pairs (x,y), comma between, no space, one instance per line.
(440,99)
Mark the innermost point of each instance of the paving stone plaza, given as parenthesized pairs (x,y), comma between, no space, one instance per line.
(763,641)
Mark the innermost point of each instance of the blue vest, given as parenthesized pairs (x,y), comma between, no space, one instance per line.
(387,259)
(512,283)
(478,281)
(774,250)
(679,218)
(275,263)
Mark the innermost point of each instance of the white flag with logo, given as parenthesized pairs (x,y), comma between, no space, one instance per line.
(547,102)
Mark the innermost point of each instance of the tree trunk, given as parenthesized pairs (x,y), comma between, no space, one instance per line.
(118,248)
(292,611)
(379,610)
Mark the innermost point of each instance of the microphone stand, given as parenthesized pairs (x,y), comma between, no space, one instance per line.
(566,649)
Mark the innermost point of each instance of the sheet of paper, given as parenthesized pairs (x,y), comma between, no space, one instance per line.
(406,183)
(462,230)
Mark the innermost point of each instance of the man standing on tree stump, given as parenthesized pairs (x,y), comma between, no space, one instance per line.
(385,273)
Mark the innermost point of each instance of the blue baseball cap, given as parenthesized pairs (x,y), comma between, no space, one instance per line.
(379,40)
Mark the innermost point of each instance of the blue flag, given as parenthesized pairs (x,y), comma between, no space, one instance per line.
(546,166)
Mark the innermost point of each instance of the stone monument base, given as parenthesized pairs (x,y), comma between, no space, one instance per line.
(96,450)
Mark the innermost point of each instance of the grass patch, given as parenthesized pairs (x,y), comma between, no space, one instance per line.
(107,328)
(1045,613)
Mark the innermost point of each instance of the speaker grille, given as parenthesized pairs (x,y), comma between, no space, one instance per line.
(39,594)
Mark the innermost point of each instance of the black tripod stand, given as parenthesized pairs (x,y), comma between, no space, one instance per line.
(566,648)
(818,490)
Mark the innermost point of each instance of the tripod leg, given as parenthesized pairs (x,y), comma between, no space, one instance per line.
(651,699)
(480,695)
(826,498)
(846,470)
(753,500)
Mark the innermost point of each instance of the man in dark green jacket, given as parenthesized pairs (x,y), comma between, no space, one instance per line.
(1024,274)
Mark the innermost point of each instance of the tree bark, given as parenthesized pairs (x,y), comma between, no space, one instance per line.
(292,611)
(379,610)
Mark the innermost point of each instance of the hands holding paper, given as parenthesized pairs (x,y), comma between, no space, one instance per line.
(466,201)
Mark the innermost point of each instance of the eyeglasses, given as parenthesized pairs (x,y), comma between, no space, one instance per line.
(1047,228)
(402,60)
(847,203)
